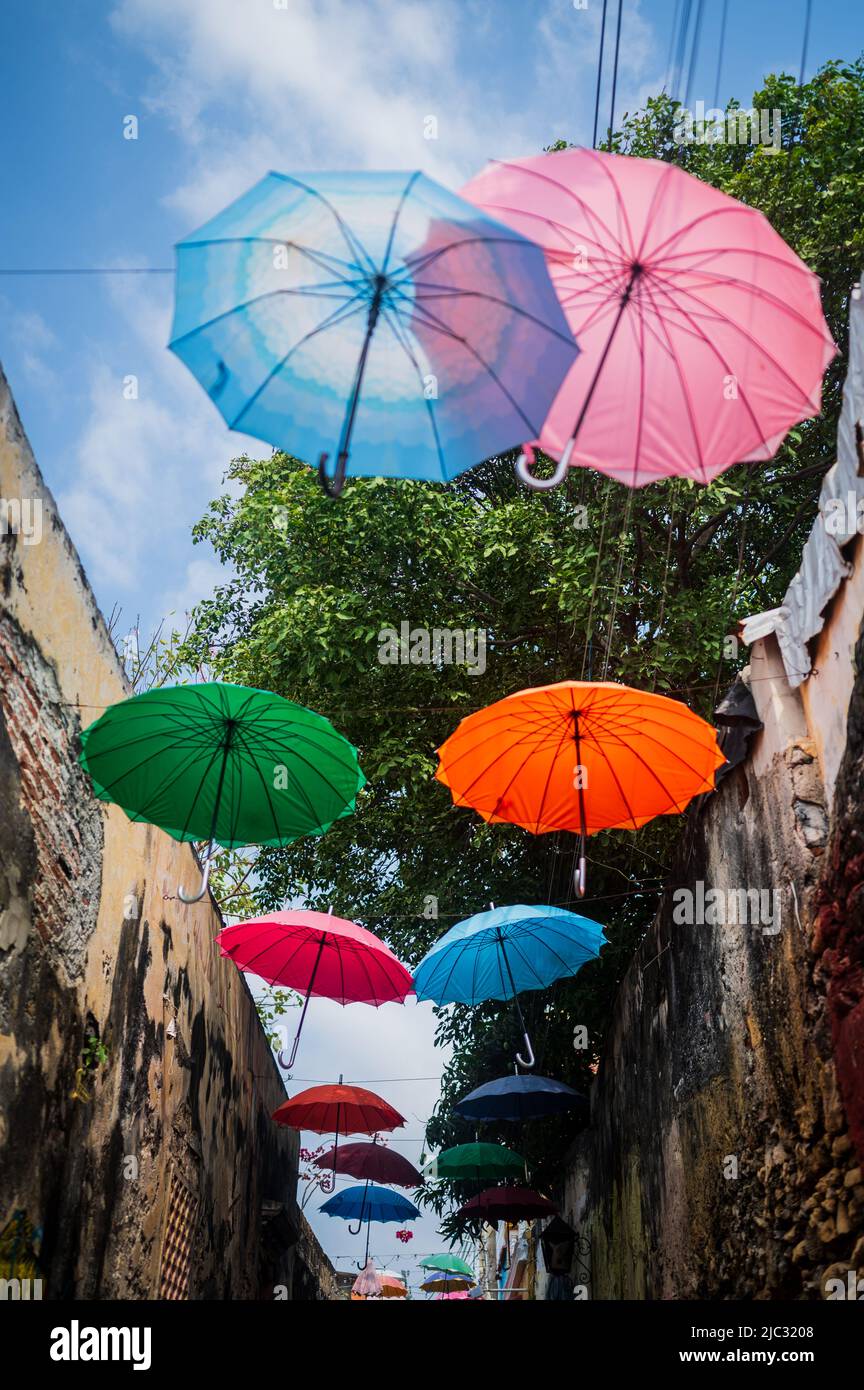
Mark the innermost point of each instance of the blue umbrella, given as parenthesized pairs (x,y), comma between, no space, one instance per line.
(499,953)
(378,306)
(518,1098)
(368,1202)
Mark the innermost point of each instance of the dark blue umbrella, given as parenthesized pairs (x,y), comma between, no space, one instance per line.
(378,310)
(500,953)
(518,1098)
(368,1202)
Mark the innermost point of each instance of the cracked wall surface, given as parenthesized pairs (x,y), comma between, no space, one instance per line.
(724,1154)
(175,1121)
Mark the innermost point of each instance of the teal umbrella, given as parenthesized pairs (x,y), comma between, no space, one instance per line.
(223,763)
(476,1161)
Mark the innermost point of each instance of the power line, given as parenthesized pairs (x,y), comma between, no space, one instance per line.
(88,270)
(615,71)
(599,73)
(694,50)
(807,16)
(720,48)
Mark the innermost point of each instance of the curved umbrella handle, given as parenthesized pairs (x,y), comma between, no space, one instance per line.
(352,1232)
(188,899)
(580,877)
(527,458)
(333,486)
(531,1059)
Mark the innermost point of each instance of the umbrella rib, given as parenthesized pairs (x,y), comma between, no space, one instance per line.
(396,215)
(334,320)
(436,324)
(756,291)
(436,292)
(703,337)
(571,193)
(739,328)
(248,304)
(428,403)
(319,258)
(352,239)
(686,395)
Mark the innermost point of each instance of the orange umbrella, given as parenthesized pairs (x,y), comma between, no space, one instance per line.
(581,756)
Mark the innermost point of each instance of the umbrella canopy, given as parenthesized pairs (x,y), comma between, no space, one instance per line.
(582,756)
(368,1281)
(518,1098)
(690,311)
(495,954)
(321,955)
(375,1162)
(448,1283)
(338,1110)
(448,1263)
(370,1203)
(392,1285)
(457,1294)
(223,763)
(507,1204)
(467,1161)
(378,308)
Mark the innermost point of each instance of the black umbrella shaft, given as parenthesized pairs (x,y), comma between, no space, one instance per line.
(350,414)
(306,1001)
(512,983)
(635,272)
(226,753)
(580,787)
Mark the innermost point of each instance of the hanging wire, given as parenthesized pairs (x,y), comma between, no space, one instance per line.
(599,73)
(681,50)
(672,500)
(668,78)
(720,48)
(807,16)
(587,642)
(615,73)
(614,607)
(694,51)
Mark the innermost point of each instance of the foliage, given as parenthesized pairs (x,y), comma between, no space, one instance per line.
(644,594)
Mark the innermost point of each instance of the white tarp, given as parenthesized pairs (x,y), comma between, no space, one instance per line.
(841,503)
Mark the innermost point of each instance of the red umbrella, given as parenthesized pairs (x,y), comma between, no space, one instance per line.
(320,955)
(507,1204)
(374,1162)
(338,1110)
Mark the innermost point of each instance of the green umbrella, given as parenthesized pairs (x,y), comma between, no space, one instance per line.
(476,1161)
(222,763)
(450,1264)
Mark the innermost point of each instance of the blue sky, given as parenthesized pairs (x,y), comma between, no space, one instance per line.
(224,90)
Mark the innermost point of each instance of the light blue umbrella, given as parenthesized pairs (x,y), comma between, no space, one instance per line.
(368,1202)
(381,308)
(499,953)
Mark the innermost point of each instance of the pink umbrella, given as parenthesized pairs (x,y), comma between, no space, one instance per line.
(367,1282)
(437,1296)
(320,955)
(701,332)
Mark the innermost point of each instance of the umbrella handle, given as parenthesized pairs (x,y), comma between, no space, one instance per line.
(526,459)
(333,486)
(580,876)
(188,899)
(531,1059)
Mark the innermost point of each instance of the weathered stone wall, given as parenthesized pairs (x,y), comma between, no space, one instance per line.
(171,1138)
(720,1160)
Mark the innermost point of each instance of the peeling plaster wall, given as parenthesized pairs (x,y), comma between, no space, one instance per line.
(724,1154)
(94,940)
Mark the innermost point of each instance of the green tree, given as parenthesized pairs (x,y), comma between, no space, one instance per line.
(591,579)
